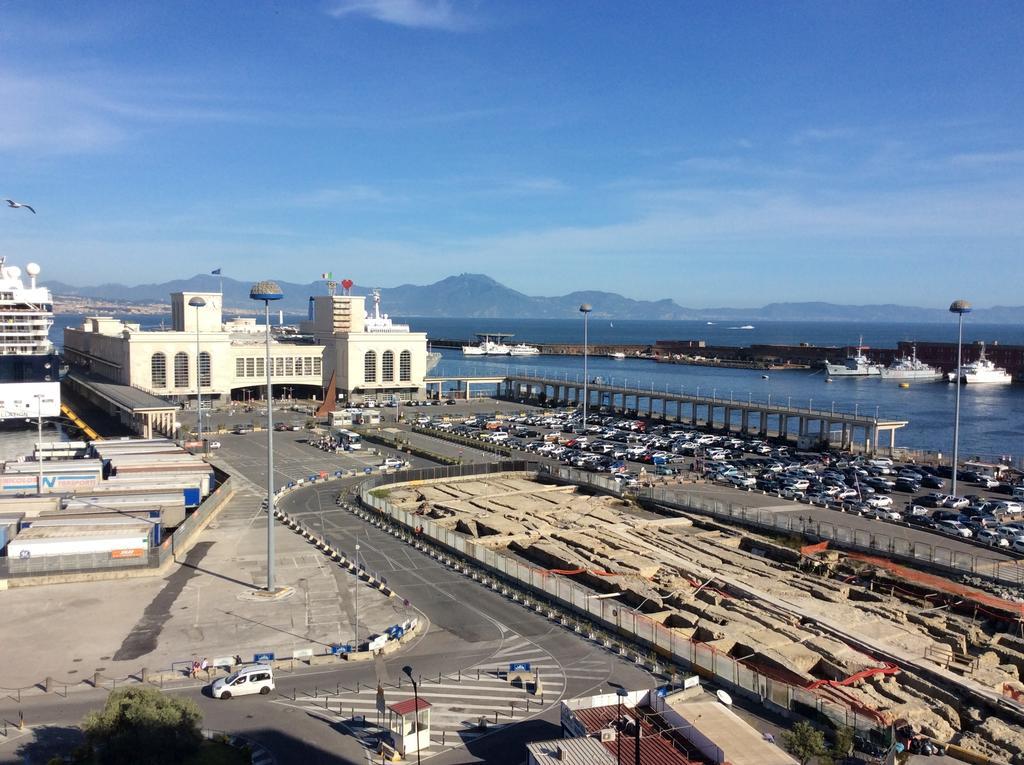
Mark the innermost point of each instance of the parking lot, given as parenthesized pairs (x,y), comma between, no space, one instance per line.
(986,514)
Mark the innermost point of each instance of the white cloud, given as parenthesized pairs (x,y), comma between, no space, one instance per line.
(417,14)
(987,159)
(94,110)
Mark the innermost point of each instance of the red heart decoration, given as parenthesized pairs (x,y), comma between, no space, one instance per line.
(347,283)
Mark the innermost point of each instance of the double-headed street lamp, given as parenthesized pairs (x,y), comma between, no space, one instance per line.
(267,291)
(959,307)
(585,309)
(197,303)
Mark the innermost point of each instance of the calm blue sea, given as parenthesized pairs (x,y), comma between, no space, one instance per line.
(992,417)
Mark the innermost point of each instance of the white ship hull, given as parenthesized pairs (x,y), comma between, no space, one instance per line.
(860,370)
(473,350)
(523,350)
(982,377)
(912,374)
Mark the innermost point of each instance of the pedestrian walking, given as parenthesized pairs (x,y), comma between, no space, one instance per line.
(195,668)
(204,665)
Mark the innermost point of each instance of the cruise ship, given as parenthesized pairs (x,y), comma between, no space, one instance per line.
(857,365)
(29,366)
(911,368)
(981,371)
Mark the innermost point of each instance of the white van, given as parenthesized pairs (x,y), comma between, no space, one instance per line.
(259,678)
(1018,492)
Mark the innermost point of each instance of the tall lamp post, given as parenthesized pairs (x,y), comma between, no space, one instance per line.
(197,303)
(959,307)
(267,291)
(39,456)
(416,719)
(585,309)
(621,693)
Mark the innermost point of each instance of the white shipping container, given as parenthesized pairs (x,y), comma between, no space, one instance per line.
(128,541)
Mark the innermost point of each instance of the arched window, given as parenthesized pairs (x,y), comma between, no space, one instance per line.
(405,366)
(158,370)
(180,369)
(387,366)
(204,369)
(370,367)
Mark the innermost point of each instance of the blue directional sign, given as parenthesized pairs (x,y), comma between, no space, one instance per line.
(396,631)
(520,666)
(262,658)
(339,649)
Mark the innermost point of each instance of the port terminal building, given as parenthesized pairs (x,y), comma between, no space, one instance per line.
(341,352)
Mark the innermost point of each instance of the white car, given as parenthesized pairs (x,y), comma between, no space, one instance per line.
(913,509)
(953,528)
(213,445)
(392,462)
(880,501)
(993,538)
(886,515)
(742,481)
(1017,545)
(259,678)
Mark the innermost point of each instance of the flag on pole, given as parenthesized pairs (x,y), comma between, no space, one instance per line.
(215,272)
(326,275)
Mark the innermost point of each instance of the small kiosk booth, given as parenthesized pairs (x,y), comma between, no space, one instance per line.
(409,724)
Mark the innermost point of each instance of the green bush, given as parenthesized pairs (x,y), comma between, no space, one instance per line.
(142,726)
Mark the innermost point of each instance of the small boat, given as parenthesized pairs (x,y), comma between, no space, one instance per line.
(904,385)
(711,323)
(747,326)
(618,355)
(828,379)
(523,350)
(764,377)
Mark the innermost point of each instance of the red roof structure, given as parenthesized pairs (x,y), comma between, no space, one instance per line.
(656,747)
(409,706)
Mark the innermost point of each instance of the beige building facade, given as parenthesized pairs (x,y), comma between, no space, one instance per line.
(368,357)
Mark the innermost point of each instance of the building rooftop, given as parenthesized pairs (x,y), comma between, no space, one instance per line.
(570,751)
(656,747)
(125,396)
(740,743)
(55,533)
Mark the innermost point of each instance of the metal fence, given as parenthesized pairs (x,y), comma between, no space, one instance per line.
(885,543)
(44,565)
(639,628)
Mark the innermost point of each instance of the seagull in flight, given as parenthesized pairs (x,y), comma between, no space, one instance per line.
(16,205)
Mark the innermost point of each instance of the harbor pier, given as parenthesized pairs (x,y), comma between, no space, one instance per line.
(846,430)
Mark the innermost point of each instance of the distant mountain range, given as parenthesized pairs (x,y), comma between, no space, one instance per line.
(479,296)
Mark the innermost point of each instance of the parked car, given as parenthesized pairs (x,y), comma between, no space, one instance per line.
(992,538)
(953,528)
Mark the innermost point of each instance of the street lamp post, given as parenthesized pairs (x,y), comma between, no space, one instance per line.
(267,291)
(39,455)
(959,307)
(621,693)
(416,718)
(197,303)
(356,631)
(585,309)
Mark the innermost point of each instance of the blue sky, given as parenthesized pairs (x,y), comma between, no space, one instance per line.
(727,153)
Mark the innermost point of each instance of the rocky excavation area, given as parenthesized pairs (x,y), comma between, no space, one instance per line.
(801,620)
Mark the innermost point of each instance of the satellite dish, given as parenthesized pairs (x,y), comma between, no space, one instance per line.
(13,271)
(724,697)
(32,269)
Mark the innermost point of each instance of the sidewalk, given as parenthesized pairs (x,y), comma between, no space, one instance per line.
(202,608)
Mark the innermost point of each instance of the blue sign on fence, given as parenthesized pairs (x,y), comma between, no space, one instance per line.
(520,666)
(261,658)
(395,632)
(338,649)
